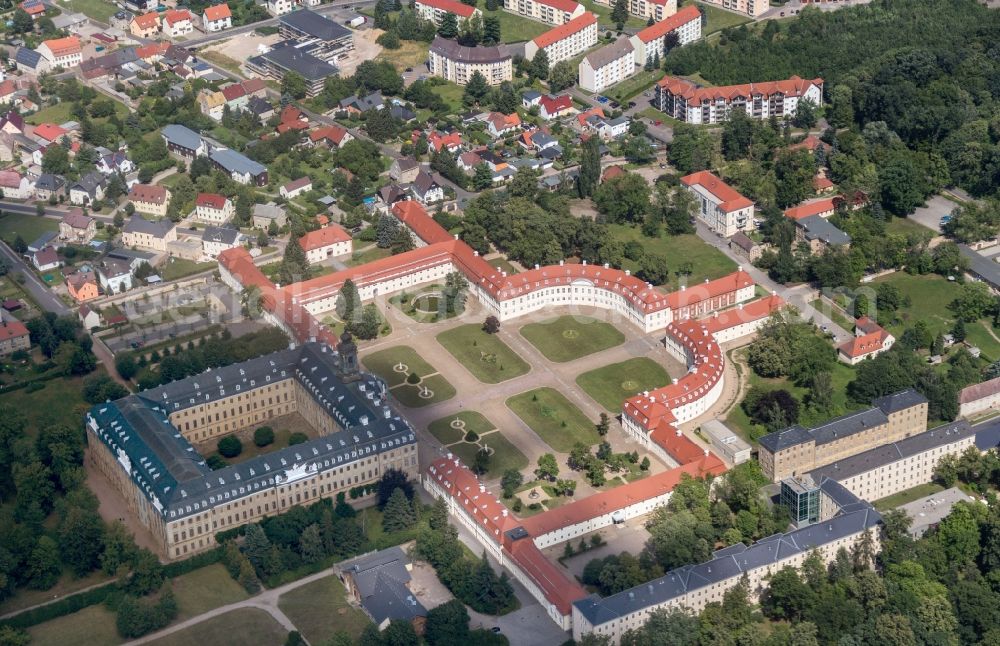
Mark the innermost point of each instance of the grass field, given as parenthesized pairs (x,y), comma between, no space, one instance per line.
(383,363)
(29,227)
(611,385)
(557,421)
(61,112)
(370,255)
(706,261)
(604,17)
(717,19)
(834,313)
(92,626)
(425,305)
(235,628)
(505,455)
(205,589)
(634,85)
(905,225)
(903,497)
(447,434)
(179,268)
(411,53)
(488,358)
(319,609)
(96,9)
(225,62)
(570,337)
(514,28)
(503,265)
(59,402)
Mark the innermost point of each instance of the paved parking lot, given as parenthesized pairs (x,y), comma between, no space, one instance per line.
(930,215)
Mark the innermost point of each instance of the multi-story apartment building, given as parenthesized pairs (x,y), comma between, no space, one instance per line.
(149,198)
(656,9)
(552,12)
(752,8)
(565,41)
(436,10)
(456,63)
(720,206)
(62,52)
(796,450)
(326,38)
(607,66)
(212,208)
(144,443)
(651,41)
(683,100)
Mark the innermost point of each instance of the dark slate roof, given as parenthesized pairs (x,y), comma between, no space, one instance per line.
(233,161)
(451,50)
(381,579)
(424,182)
(985,268)
(819,228)
(89,183)
(781,440)
(259,106)
(182,136)
(988,435)
(364,103)
(728,563)
(889,453)
(840,427)
(225,235)
(899,401)
(139,224)
(402,112)
(288,57)
(315,25)
(28,57)
(50,182)
(174,477)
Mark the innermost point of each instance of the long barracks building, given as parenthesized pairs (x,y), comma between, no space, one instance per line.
(143,443)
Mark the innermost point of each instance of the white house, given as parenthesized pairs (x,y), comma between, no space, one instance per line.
(425,189)
(295,188)
(115,276)
(607,66)
(46,259)
(329,242)
(212,208)
(217,18)
(62,52)
(215,240)
(177,22)
(279,7)
(720,206)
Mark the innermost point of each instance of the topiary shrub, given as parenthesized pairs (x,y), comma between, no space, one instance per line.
(263,436)
(413,378)
(297,438)
(471,436)
(230,446)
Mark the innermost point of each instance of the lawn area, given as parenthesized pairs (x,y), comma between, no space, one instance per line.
(96,9)
(488,358)
(384,363)
(611,385)
(706,261)
(179,268)
(426,305)
(225,62)
(717,19)
(29,227)
(235,628)
(904,226)
(505,455)
(903,497)
(319,609)
(557,421)
(438,389)
(60,402)
(370,255)
(503,265)
(604,16)
(570,337)
(834,313)
(92,626)
(205,589)
(411,53)
(443,430)
(67,584)
(451,93)
(633,85)
(514,28)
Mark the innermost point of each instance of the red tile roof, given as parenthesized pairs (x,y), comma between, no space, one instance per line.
(233,92)
(581,118)
(810,143)
(152,50)
(415,216)
(49,131)
(612,172)
(333,133)
(976,392)
(823,207)
(693,94)
(683,16)
(75,219)
(10,179)
(211,200)
(12,329)
(7,88)
(218,12)
(821,183)
(566,30)
(555,104)
(63,46)
(451,6)
(149,193)
(729,198)
(147,20)
(437,141)
(173,16)
(870,339)
(324,237)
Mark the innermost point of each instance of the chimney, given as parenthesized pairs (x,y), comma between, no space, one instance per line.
(562,262)
(584,263)
(607,266)
(678,432)
(456,236)
(475,253)
(628,272)
(536,265)
(674,380)
(683,287)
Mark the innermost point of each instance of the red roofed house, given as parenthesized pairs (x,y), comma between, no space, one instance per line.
(824,208)
(47,133)
(34,8)
(292,119)
(550,107)
(612,172)
(177,22)
(62,52)
(77,227)
(552,12)
(295,187)
(150,198)
(691,103)
(82,286)
(332,136)
(720,206)
(499,124)
(650,41)
(217,18)
(565,41)
(145,26)
(869,340)
(212,208)
(450,142)
(822,184)
(16,186)
(581,119)
(14,336)
(329,242)
(436,10)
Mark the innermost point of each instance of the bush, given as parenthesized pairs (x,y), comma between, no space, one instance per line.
(230,446)
(263,436)
(413,378)
(297,438)
(216,462)
(471,436)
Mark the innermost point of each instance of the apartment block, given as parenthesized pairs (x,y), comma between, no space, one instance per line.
(686,101)
(652,40)
(456,63)
(656,9)
(752,8)
(720,206)
(608,66)
(565,41)
(551,12)
(436,10)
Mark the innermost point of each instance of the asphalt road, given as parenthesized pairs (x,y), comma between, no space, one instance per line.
(45,298)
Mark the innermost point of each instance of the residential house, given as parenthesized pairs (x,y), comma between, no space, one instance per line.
(468,161)
(217,18)
(392,193)
(720,206)
(457,63)
(279,7)
(215,240)
(530,98)
(12,123)
(183,142)
(292,118)
(148,198)
(117,162)
(46,239)
(212,103)
(650,43)
(824,208)
(613,128)
(329,242)
(145,26)
(404,170)
(332,136)
(266,214)
(235,96)
(425,189)
(115,275)
(14,336)
(743,245)
(436,10)
(499,125)
(751,8)
(357,104)
(89,318)
(551,107)
(16,186)
(28,61)
(820,234)
(148,234)
(451,141)
(48,185)
(49,133)
(34,8)
(870,340)
(212,208)
(46,259)
(552,12)
(566,41)
(608,66)
(239,167)
(177,22)
(61,52)
(82,286)
(295,188)
(76,227)
(378,583)
(88,188)
(260,108)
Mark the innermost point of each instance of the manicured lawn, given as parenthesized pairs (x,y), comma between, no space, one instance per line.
(633,85)
(438,389)
(611,385)
(92,626)
(904,497)
(180,267)
(557,421)
(570,337)
(425,305)
(505,455)
(365,257)
(717,19)
(488,358)
(905,225)
(29,227)
(514,28)
(205,589)
(978,334)
(96,9)
(383,363)
(443,430)
(320,609)
(706,261)
(235,628)
(604,17)
(503,265)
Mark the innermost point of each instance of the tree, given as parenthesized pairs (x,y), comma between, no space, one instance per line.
(476,89)
(386,231)
(958,331)
(481,461)
(55,160)
(22,22)
(294,265)
(398,514)
(229,446)
(348,301)
(619,13)
(80,535)
(43,567)
(590,167)
(263,436)
(482,177)
(447,624)
(603,425)
(540,65)
(974,301)
(491,325)
(491,30)
(102,388)
(448,27)
(547,469)
(391,480)
(369,324)
(294,85)
(511,480)
(623,199)
(805,114)
(562,75)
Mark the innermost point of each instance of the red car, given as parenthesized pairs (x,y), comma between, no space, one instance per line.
(659,123)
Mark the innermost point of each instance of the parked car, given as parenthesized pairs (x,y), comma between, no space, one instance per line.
(602,99)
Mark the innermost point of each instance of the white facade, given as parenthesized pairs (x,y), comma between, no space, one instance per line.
(566,46)
(209,215)
(723,216)
(599,73)
(435,10)
(687,32)
(116,283)
(177,28)
(23,191)
(752,8)
(279,7)
(552,12)
(213,248)
(655,9)
(60,58)
(332,250)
